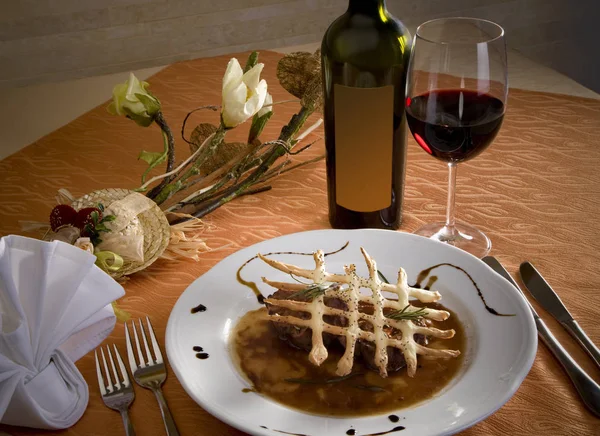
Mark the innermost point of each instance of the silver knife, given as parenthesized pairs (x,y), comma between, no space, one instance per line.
(545,295)
(588,389)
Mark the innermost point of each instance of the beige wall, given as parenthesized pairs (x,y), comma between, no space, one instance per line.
(566,41)
(51,40)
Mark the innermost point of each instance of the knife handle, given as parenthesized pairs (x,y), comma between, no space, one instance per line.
(588,389)
(577,332)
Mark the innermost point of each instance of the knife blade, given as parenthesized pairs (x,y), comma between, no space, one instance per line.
(588,389)
(551,302)
(543,293)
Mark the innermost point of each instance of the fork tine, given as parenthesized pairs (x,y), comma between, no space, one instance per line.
(112,364)
(130,355)
(122,367)
(155,346)
(137,345)
(99,374)
(143,333)
(109,386)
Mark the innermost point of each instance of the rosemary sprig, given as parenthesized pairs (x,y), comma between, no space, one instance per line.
(382,277)
(293,276)
(312,291)
(308,381)
(370,388)
(404,314)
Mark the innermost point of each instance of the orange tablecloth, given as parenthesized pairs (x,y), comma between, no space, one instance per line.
(535,192)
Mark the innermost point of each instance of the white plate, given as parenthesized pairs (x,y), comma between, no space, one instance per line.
(500,350)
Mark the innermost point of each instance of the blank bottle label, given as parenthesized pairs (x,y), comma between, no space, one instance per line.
(364,129)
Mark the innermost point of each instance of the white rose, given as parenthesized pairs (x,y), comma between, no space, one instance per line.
(133,100)
(244,94)
(85,244)
(267,107)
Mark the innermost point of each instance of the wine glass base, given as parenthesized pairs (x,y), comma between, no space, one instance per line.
(461,235)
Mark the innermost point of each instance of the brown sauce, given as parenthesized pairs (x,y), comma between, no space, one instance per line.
(266,362)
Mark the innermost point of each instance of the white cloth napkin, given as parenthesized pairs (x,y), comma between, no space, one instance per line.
(54,308)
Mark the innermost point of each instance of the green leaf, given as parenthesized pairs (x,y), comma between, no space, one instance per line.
(89,230)
(252,60)
(140,120)
(258,124)
(153,159)
(152,105)
(94,215)
(108,218)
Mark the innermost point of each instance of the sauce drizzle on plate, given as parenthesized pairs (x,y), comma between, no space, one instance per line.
(198,308)
(423,275)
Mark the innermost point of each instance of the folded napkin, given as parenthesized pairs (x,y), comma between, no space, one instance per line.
(54,308)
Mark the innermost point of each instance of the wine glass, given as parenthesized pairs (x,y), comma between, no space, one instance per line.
(456,97)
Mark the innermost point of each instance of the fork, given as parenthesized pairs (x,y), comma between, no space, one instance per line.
(120,395)
(151,373)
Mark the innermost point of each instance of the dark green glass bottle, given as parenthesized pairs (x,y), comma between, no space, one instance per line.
(365,55)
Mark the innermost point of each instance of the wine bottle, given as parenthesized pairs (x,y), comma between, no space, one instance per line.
(364,57)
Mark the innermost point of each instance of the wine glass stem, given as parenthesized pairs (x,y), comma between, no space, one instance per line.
(450,221)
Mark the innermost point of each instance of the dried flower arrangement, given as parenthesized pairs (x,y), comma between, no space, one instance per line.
(161,217)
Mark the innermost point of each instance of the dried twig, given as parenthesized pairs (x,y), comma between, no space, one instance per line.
(286,135)
(211,107)
(256,190)
(270,175)
(176,170)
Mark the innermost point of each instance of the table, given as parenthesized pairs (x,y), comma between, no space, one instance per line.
(535,192)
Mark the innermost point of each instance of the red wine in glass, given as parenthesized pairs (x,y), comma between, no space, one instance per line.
(454,125)
(457,88)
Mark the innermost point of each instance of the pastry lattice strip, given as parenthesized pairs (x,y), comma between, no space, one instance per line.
(350,294)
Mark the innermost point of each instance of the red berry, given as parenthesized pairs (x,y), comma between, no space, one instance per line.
(84,217)
(62,215)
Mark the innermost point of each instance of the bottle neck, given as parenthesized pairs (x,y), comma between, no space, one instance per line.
(366,6)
